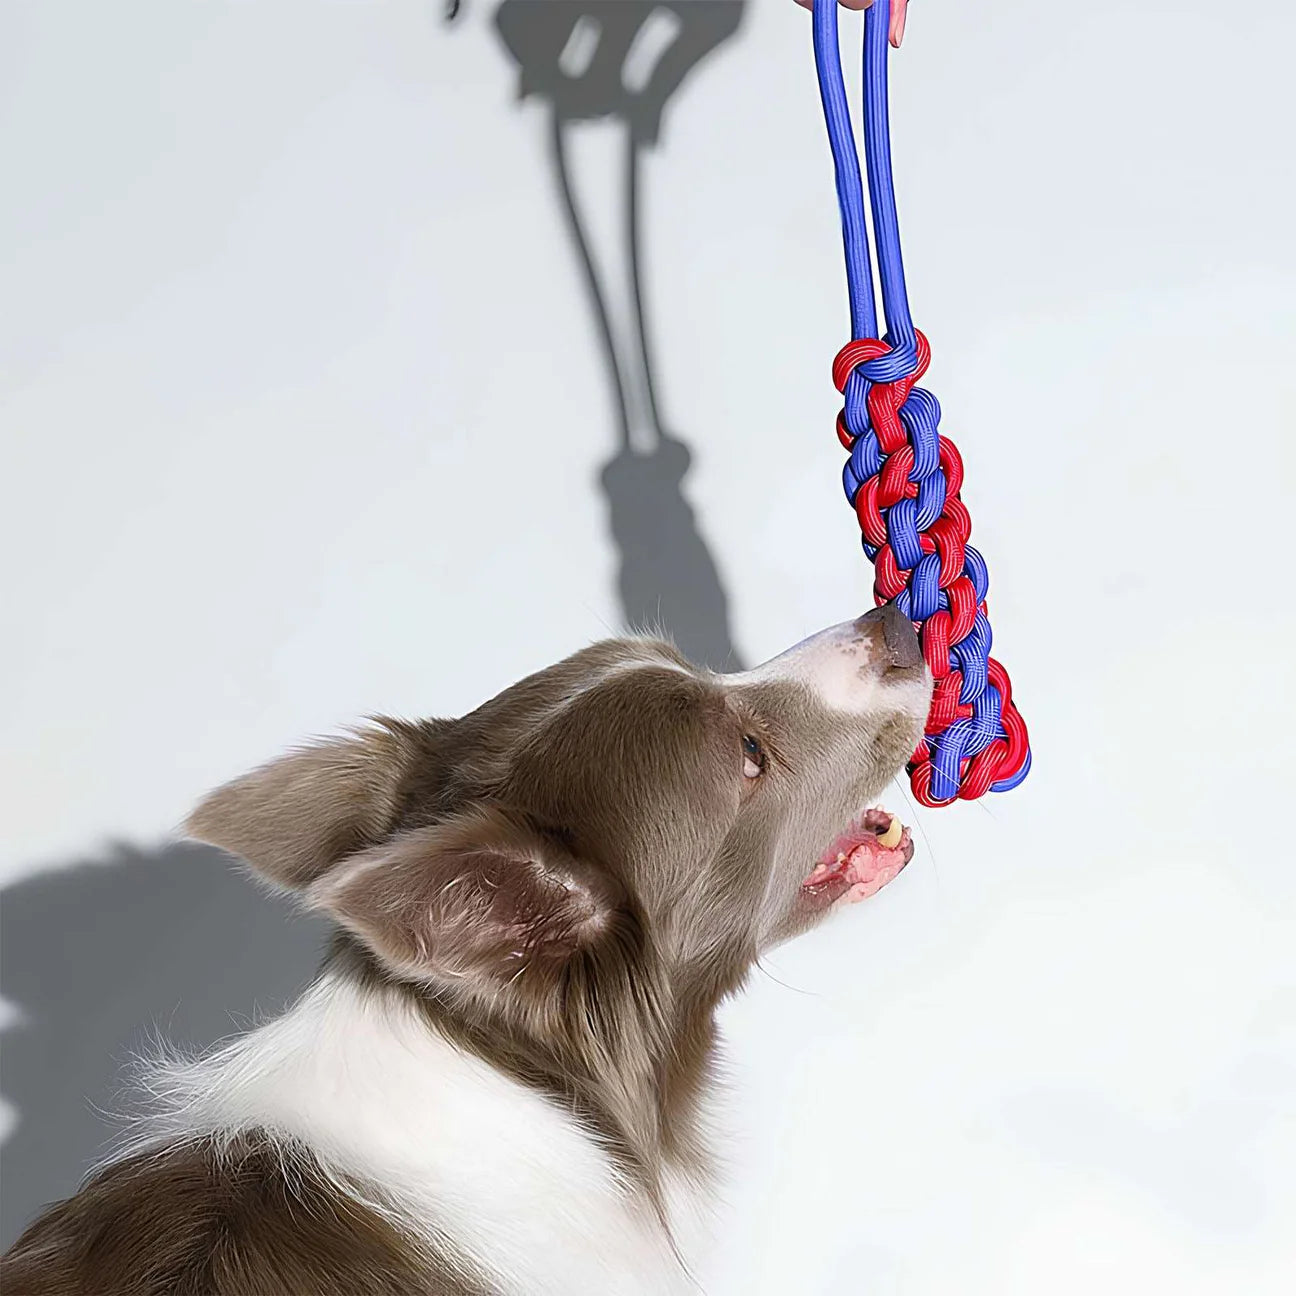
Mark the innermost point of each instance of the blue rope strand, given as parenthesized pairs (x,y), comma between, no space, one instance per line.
(850,199)
(850,185)
(877,148)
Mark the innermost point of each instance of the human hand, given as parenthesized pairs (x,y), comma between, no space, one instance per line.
(897,15)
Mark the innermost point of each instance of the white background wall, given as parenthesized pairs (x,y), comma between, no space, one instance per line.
(300,411)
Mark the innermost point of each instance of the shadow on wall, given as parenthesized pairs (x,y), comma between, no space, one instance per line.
(99,955)
(617,63)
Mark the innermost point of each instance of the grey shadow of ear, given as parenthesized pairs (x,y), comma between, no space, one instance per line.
(621,62)
(102,956)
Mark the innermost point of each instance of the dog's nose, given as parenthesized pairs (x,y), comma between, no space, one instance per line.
(893,636)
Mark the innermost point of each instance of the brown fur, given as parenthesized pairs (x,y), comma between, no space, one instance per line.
(253,1219)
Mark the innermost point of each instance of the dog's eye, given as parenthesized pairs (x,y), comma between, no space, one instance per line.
(753,757)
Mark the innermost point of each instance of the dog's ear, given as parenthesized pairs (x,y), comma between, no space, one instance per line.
(293,819)
(474,902)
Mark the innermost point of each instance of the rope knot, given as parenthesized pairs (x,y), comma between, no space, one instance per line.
(903,480)
(876,360)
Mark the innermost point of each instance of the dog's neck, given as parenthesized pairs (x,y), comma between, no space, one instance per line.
(436,1138)
(635,1067)
(401,1100)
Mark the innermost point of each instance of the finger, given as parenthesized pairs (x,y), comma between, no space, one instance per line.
(898,8)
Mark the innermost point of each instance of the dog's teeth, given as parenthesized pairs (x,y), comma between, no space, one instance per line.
(891,838)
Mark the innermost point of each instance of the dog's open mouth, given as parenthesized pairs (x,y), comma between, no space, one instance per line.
(860,862)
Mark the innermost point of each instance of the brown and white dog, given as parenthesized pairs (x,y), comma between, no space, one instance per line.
(499,1080)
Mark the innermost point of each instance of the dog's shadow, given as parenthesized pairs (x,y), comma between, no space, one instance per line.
(100,956)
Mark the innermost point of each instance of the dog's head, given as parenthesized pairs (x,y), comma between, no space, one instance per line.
(619,809)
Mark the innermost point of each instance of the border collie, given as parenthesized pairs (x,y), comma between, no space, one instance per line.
(499,1081)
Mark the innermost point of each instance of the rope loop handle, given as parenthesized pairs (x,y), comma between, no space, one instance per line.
(902,477)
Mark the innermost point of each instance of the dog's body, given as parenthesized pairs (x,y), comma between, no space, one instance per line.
(265,1181)
(499,1081)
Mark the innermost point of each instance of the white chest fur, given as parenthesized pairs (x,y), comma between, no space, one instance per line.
(457,1148)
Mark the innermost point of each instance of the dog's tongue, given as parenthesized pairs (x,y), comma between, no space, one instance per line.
(866,858)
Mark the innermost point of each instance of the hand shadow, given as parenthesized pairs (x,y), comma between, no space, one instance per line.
(98,958)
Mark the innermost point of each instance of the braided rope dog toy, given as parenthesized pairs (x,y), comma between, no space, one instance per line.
(903,478)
